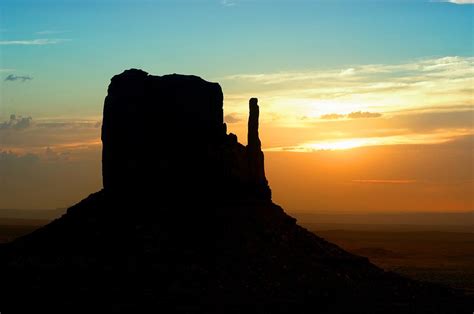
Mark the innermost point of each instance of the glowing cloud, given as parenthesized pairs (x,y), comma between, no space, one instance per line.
(420,102)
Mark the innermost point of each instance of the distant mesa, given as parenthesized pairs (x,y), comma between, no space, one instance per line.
(167,133)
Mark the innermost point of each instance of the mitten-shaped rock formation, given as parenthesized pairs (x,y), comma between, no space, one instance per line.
(167,134)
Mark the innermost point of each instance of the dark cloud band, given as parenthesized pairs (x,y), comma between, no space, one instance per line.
(22,78)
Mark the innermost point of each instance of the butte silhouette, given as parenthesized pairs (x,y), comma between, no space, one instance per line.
(185,224)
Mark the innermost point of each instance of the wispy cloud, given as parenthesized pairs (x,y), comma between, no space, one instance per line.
(52,155)
(228,3)
(461,1)
(16,123)
(74,125)
(232,118)
(331,116)
(69,124)
(22,78)
(9,159)
(425,101)
(50,32)
(363,115)
(382,88)
(350,143)
(352,115)
(347,72)
(23,134)
(382,181)
(32,42)
(452,65)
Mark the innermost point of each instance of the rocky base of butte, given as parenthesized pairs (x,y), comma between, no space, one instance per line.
(185,224)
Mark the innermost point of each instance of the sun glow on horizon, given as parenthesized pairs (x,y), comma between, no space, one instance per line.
(338,145)
(350,143)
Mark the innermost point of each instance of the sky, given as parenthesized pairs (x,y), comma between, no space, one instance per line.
(366,106)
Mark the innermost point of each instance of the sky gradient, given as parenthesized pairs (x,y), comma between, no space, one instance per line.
(369,100)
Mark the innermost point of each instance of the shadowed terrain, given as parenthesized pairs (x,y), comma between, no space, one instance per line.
(443,257)
(435,256)
(185,223)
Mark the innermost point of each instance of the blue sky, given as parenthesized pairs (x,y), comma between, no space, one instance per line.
(68,50)
(86,42)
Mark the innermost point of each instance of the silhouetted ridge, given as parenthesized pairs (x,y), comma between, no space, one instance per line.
(185,224)
(167,134)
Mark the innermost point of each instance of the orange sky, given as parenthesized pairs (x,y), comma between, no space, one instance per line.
(404,178)
(367,138)
(387,178)
(364,105)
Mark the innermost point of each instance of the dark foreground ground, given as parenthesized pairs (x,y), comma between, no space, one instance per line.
(445,257)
